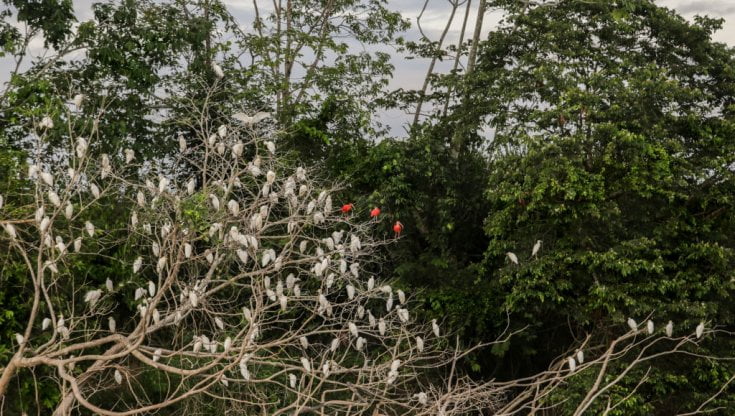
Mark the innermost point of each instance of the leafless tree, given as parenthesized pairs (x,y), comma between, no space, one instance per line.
(250,287)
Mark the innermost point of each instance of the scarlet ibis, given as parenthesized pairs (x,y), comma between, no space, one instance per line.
(397,228)
(374,212)
(346,208)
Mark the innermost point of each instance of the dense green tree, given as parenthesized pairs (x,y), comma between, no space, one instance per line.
(613,138)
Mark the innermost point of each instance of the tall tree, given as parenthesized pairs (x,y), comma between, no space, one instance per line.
(612,145)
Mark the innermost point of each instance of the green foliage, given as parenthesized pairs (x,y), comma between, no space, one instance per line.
(613,144)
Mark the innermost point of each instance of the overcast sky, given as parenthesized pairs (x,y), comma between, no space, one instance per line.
(409,74)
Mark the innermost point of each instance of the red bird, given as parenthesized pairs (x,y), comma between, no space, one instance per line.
(374,212)
(397,228)
(346,208)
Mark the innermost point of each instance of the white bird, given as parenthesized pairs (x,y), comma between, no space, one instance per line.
(512,256)
(111,324)
(435,327)
(187,250)
(129,155)
(246,119)
(89,227)
(237,149)
(140,199)
(580,356)
(182,143)
(244,369)
(353,329)
(649,327)
(109,285)
(248,315)
(270,177)
(296,291)
(403,314)
(536,248)
(227,344)
(306,364)
(422,398)
(669,329)
(77,100)
(190,185)
(151,288)
(45,323)
(60,245)
(157,355)
(304,342)
(381,327)
(401,296)
(47,178)
(215,201)
(163,184)
(360,344)
(334,345)
(218,70)
(233,207)
(283,300)
(77,244)
(43,226)
(389,303)
(40,212)
(350,292)
(92,296)
(197,345)
(371,283)
(632,324)
(137,264)
(355,269)
(46,122)
(81,147)
(420,344)
(271,147)
(572,364)
(1,201)
(699,330)
(118,377)
(292,380)
(371,319)
(69,210)
(54,198)
(95,190)
(139,293)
